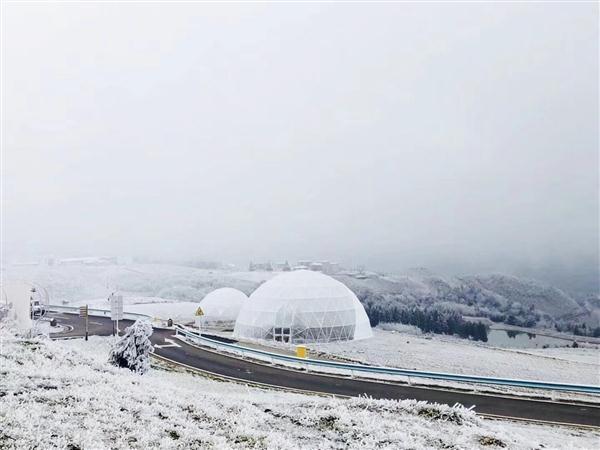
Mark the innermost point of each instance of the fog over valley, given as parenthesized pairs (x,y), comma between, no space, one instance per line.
(460,138)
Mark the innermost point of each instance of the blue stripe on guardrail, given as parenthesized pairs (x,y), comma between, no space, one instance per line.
(590,389)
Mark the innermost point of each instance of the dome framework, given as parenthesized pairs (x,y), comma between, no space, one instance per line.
(303,307)
(220,308)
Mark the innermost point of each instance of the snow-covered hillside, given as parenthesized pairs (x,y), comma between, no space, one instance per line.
(496,296)
(168,282)
(64,395)
(546,299)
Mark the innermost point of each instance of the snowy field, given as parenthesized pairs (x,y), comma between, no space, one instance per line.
(64,395)
(577,355)
(448,354)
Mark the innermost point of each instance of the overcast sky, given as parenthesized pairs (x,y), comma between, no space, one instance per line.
(391,135)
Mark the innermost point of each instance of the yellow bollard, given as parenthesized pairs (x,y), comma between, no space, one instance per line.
(301,351)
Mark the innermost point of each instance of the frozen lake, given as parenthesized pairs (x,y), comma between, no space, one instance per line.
(520,339)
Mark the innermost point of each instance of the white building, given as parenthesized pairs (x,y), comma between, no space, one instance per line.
(302,306)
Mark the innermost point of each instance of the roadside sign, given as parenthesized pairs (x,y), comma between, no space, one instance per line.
(199,311)
(116,311)
(83,312)
(116,307)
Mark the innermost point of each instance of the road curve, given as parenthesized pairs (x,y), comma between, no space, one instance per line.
(510,407)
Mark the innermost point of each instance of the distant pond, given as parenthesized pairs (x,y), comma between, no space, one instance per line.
(521,339)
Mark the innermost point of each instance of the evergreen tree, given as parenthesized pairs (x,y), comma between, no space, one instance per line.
(134,348)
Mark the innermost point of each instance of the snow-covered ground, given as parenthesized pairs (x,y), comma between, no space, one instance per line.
(576,355)
(65,395)
(43,327)
(454,355)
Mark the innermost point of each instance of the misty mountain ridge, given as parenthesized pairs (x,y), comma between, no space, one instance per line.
(498,297)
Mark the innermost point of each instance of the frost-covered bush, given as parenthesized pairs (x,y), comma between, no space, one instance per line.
(134,348)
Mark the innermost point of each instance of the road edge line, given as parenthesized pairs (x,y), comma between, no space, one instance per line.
(389,382)
(225,378)
(245,382)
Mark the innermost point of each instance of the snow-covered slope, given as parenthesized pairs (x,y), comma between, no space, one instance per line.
(487,295)
(64,395)
(78,282)
(476,294)
(529,293)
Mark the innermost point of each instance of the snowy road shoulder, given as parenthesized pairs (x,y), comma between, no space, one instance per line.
(453,355)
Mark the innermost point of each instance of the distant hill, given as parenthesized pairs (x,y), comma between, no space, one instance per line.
(497,296)
(546,299)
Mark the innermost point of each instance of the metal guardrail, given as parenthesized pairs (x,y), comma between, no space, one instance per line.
(96,312)
(352,369)
(347,368)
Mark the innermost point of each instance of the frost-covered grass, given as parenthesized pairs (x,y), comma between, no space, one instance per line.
(64,395)
(449,354)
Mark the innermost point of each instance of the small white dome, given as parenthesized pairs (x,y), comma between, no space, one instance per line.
(303,306)
(222,305)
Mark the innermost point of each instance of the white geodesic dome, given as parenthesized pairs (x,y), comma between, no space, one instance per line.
(222,306)
(302,306)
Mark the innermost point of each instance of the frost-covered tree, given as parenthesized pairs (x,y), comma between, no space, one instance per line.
(134,348)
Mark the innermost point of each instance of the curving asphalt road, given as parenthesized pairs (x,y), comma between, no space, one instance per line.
(178,351)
